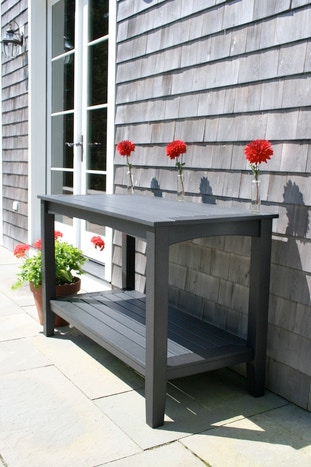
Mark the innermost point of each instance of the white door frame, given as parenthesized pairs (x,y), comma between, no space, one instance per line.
(39,111)
(37,114)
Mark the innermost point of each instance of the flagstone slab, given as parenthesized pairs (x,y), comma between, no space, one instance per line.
(8,307)
(47,421)
(91,368)
(274,438)
(171,455)
(16,326)
(193,405)
(20,355)
(224,393)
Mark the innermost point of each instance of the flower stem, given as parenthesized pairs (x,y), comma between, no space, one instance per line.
(130,182)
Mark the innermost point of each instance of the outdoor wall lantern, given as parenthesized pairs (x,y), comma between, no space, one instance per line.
(13,41)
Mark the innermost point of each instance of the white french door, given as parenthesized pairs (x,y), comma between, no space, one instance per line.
(79,110)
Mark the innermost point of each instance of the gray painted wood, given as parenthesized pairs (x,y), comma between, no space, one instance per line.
(159,343)
(117,320)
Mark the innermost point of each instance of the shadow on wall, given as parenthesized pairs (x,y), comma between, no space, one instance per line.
(296,211)
(291,282)
(206,192)
(155,188)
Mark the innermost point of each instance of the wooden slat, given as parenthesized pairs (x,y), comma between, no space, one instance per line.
(191,364)
(108,337)
(149,211)
(116,320)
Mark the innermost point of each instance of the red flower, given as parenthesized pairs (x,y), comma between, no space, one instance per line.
(175,148)
(20,250)
(98,242)
(38,244)
(258,151)
(125,148)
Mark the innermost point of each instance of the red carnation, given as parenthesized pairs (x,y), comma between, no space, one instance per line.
(57,234)
(38,244)
(20,250)
(256,152)
(175,148)
(98,242)
(125,148)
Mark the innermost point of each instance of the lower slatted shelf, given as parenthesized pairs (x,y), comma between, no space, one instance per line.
(116,321)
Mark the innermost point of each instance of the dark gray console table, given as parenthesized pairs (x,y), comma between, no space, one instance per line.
(161,343)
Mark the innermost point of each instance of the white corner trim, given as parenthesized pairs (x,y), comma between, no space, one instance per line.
(37,113)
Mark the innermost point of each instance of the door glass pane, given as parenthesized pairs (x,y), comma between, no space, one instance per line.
(62,183)
(61,138)
(63,27)
(97,138)
(98,70)
(63,84)
(96,182)
(99,16)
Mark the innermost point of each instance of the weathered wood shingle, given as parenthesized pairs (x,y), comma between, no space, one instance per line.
(219,74)
(15,133)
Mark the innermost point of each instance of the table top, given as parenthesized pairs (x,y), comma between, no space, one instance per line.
(152,211)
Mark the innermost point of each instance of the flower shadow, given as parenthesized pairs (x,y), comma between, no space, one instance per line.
(206,192)
(155,188)
(296,211)
(289,252)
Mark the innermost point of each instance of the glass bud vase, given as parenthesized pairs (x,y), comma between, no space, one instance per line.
(256,199)
(130,181)
(180,187)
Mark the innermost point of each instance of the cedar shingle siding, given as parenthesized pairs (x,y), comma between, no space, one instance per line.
(15,132)
(219,74)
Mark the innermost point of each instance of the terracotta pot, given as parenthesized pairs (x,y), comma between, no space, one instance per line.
(61,291)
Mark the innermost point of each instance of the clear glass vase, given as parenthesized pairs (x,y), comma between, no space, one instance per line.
(130,181)
(256,196)
(180,187)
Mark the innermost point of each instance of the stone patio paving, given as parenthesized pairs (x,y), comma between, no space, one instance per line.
(64,401)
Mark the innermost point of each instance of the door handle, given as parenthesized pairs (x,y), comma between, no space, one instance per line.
(70,145)
(80,144)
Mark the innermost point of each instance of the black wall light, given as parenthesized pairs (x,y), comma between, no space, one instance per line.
(13,41)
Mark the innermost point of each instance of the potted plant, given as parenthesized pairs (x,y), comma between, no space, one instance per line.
(68,265)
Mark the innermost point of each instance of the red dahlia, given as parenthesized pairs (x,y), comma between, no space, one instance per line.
(175,148)
(125,148)
(256,152)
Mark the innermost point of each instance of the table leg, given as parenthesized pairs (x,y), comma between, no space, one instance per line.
(156,326)
(48,268)
(128,262)
(258,307)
